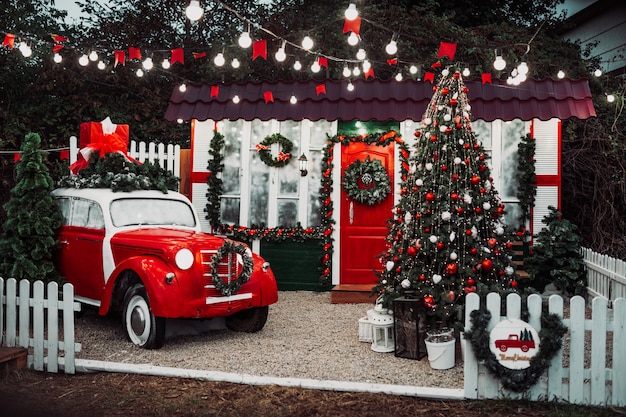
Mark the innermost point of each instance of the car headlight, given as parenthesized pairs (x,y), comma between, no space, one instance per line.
(184,259)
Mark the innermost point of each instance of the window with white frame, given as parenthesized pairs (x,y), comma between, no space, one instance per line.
(256,194)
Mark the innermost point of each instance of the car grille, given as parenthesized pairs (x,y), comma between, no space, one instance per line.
(228,270)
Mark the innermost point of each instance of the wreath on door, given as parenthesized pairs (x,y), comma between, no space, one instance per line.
(366,181)
(284,155)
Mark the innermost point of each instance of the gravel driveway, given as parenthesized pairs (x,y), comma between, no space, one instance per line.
(305,337)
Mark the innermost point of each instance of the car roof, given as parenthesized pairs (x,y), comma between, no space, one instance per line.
(106,195)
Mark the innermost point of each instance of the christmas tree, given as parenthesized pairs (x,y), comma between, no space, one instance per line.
(447,238)
(33,217)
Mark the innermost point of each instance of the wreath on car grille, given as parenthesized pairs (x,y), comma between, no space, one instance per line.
(516,380)
(366,181)
(284,155)
(230,288)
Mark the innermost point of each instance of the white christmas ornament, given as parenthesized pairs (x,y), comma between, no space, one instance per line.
(488,185)
(445,72)
(445,216)
(457,160)
(452,236)
(429,166)
(509,270)
(419,182)
(468,107)
(447,117)
(443,128)
(389,265)
(440,107)
(474,231)
(486,205)
(407,217)
(406,284)
(467,198)
(427,121)
(436,278)
(454,256)
(433,239)
(499,230)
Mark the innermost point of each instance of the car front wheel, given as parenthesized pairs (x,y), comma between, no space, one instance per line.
(142,327)
(250,321)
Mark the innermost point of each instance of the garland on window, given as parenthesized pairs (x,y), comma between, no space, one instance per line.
(284,155)
(214,182)
(366,182)
(230,288)
(520,380)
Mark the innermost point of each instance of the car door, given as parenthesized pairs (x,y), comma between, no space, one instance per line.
(80,246)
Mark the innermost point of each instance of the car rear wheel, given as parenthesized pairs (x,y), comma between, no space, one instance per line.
(250,321)
(142,327)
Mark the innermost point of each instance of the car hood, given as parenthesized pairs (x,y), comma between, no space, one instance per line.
(162,237)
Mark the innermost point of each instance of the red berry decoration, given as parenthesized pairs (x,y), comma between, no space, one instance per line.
(433,138)
(451,269)
(486,264)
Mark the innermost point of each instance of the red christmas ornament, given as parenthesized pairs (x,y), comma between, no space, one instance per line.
(469,290)
(459,210)
(445,91)
(433,138)
(411,251)
(403,191)
(509,245)
(440,245)
(482,168)
(468,232)
(415,188)
(422,277)
(444,168)
(430,197)
(514,284)
(486,264)
(478,210)
(435,156)
(476,146)
(470,281)
(448,130)
(451,269)
(429,301)
(395,259)
(482,157)
(475,180)
(492,242)
(455,177)
(457,75)
(427,230)
(417,134)
(454,196)
(458,126)
(418,215)
(453,102)
(473,251)
(466,146)
(398,270)
(451,295)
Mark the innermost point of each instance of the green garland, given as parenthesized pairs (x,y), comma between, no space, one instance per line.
(526,178)
(265,154)
(551,341)
(214,182)
(232,287)
(366,182)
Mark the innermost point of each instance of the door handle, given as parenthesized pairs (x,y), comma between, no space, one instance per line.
(351,212)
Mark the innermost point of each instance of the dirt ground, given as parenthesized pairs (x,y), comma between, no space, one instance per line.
(32,394)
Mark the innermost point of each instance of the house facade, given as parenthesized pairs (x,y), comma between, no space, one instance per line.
(333,125)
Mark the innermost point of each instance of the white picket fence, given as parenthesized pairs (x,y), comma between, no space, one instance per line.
(32,322)
(606,276)
(168,156)
(591,369)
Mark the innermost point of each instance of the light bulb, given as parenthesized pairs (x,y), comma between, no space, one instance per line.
(219,59)
(297,65)
(610,98)
(101,65)
(236,99)
(182,88)
(83,60)
(166,63)
(598,72)
(353,39)
(560,74)
(148,64)
(293,99)
(315,67)
(194,11)
(245,40)
(466,72)
(58,58)
(235,63)
(139,73)
(346,71)
(399,76)
(413,69)
(522,68)
(499,64)
(180,121)
(307,43)
(25,49)
(356,71)
(350,86)
(93,56)
(280,54)
(351,12)
(366,65)
(391,48)
(361,54)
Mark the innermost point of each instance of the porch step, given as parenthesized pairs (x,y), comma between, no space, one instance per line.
(352,294)
(12,358)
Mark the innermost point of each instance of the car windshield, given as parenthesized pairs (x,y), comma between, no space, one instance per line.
(151,211)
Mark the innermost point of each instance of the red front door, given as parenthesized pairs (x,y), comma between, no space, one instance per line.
(363,227)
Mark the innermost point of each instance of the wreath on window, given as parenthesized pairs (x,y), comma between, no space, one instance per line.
(366,181)
(230,288)
(284,155)
(516,380)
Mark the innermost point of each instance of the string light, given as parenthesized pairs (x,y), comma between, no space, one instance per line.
(194,11)
(293,99)
(499,64)
(597,72)
(297,65)
(350,86)
(93,56)
(25,49)
(280,54)
(399,76)
(139,73)
(392,47)
(356,71)
(346,71)
(101,65)
(148,64)
(219,59)
(235,63)
(316,66)
(366,65)
(351,12)
(245,40)
(307,43)
(560,74)
(166,63)
(413,70)
(466,72)
(236,99)
(57,58)
(610,98)
(182,88)
(83,60)
(360,55)
(353,39)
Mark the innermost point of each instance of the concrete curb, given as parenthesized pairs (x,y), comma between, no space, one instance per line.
(86,365)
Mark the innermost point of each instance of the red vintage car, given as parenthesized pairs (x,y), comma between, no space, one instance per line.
(143,253)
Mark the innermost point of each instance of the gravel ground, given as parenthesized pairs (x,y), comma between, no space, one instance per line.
(305,337)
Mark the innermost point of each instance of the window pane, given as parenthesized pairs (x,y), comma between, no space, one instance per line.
(230,210)
(482,130)
(289,175)
(512,133)
(259,190)
(319,132)
(314,181)
(287,213)
(511,216)
(232,157)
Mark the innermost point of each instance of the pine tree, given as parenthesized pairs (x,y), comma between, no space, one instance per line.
(33,217)
(448,237)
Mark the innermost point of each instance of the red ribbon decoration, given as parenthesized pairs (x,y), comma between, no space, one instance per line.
(486,78)
(370,73)
(120,58)
(198,55)
(268,96)
(134,53)
(447,49)
(9,39)
(260,147)
(282,156)
(322,61)
(429,76)
(58,38)
(320,89)
(215,90)
(352,26)
(57,47)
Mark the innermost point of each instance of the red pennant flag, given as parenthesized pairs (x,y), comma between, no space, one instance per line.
(58,38)
(215,91)
(429,76)
(447,49)
(268,96)
(17,157)
(9,39)
(392,61)
(370,73)
(134,53)
(322,61)
(320,89)
(57,47)
(352,26)
(65,154)
(198,55)
(120,58)
(486,78)
(178,56)
(259,49)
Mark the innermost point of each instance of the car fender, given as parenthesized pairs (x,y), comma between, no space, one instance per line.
(165,299)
